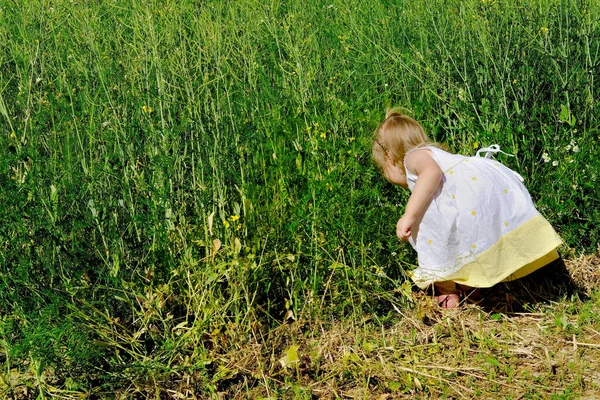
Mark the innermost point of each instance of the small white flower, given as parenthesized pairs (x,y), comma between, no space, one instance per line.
(105,124)
(575,149)
(38,80)
(330,6)
(545,157)
(571,161)
(568,147)
(386,85)
(555,163)
(394,253)
(574,187)
(379,272)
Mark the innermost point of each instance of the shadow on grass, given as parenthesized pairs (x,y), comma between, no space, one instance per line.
(551,283)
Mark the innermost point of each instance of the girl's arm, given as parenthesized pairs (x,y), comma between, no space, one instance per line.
(429,174)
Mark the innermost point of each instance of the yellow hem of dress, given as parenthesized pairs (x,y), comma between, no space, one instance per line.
(517,254)
(534,266)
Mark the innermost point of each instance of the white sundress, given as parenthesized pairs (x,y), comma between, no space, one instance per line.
(481,226)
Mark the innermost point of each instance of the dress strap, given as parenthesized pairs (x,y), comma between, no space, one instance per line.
(496,149)
(416,149)
(490,150)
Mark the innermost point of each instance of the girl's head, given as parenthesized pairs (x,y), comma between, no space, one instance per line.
(395,136)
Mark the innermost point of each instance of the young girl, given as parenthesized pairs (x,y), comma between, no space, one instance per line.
(470,219)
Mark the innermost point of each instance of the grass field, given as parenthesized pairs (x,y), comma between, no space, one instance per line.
(189,208)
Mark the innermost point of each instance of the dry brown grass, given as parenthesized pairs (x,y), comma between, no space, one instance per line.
(585,271)
(535,338)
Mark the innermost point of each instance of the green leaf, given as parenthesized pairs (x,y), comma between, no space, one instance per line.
(290,357)
(566,116)
(369,347)
(564,113)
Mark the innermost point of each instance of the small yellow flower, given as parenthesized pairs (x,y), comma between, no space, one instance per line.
(505,191)
(450,172)
(475,145)
(429,241)
(453,196)
(544,30)
(147,109)
(473,213)
(226,224)
(323,135)
(352,139)
(12,135)
(474,178)
(473,246)
(505,223)
(234,218)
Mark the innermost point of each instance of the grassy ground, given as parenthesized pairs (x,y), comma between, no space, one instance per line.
(536,338)
(189,202)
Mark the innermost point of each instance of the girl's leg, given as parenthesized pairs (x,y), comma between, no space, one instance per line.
(445,287)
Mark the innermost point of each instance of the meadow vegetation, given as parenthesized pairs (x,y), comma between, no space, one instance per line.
(189,208)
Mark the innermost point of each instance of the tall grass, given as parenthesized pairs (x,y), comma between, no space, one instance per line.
(174,173)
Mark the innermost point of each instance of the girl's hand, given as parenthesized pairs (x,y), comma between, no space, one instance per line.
(403,227)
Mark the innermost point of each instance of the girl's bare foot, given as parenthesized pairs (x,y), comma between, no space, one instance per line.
(448,300)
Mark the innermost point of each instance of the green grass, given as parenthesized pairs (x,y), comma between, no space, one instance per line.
(174,171)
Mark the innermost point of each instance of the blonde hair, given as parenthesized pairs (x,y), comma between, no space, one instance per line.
(396,135)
